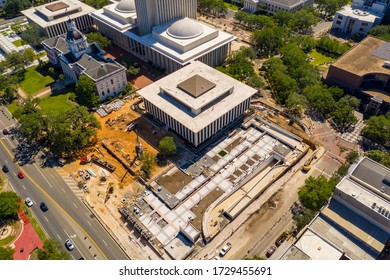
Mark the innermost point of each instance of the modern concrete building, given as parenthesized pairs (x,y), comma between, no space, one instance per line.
(52,17)
(164,33)
(273,6)
(359,17)
(363,71)
(356,223)
(76,57)
(197,101)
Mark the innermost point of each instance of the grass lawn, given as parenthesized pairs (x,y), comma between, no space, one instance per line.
(12,107)
(33,81)
(231,6)
(18,43)
(56,104)
(319,58)
(42,54)
(7,240)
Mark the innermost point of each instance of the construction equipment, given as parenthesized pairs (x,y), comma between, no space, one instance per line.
(306,167)
(103,163)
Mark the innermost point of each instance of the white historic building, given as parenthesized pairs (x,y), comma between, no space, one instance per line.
(197,101)
(52,17)
(360,17)
(76,57)
(163,32)
(273,6)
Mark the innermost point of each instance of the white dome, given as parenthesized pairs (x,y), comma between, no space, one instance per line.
(185,29)
(125,6)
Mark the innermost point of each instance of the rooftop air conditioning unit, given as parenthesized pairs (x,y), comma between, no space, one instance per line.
(386,64)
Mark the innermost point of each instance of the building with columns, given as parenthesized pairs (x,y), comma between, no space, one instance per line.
(273,6)
(197,101)
(52,17)
(76,57)
(163,32)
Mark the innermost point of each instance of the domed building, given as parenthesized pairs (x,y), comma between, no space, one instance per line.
(76,57)
(164,33)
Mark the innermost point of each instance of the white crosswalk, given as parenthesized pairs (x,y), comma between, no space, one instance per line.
(70,182)
(353,136)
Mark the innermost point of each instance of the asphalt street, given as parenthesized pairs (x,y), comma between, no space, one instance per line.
(67,217)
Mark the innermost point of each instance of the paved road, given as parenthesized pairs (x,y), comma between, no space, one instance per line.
(67,216)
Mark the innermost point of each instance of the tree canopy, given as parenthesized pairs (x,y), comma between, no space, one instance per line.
(52,250)
(97,4)
(33,35)
(377,129)
(214,7)
(379,156)
(6,253)
(85,92)
(13,7)
(167,146)
(98,38)
(316,191)
(9,205)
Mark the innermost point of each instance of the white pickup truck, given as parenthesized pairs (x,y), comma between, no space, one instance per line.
(225,249)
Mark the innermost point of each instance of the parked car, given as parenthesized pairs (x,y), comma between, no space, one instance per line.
(69,245)
(225,249)
(5,168)
(29,202)
(20,175)
(270,251)
(43,207)
(5,131)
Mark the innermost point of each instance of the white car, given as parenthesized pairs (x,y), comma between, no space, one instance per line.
(69,245)
(29,202)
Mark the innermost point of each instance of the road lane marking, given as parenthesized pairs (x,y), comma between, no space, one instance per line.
(14,173)
(89,223)
(59,206)
(63,190)
(66,232)
(6,161)
(24,187)
(44,177)
(46,219)
(75,205)
(59,237)
(52,176)
(105,242)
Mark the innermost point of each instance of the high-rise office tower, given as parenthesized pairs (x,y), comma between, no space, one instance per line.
(156,12)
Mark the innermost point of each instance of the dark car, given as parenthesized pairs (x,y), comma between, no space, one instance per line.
(43,207)
(270,251)
(5,131)
(5,168)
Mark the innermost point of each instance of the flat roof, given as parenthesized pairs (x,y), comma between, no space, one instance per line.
(340,239)
(316,247)
(183,57)
(373,174)
(58,12)
(240,92)
(294,253)
(359,13)
(360,59)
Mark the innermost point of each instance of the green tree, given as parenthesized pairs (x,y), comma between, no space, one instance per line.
(85,92)
(14,7)
(379,156)
(320,99)
(6,253)
(28,56)
(167,146)
(148,161)
(316,192)
(377,129)
(33,35)
(61,77)
(98,38)
(9,205)
(352,156)
(296,103)
(133,70)
(304,218)
(268,40)
(382,31)
(302,20)
(52,250)
(97,4)
(343,116)
(33,126)
(351,101)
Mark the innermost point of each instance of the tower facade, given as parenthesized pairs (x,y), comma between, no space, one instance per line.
(77,41)
(156,12)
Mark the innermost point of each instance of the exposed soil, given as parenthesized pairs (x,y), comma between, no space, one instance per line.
(174,182)
(201,207)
